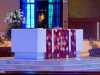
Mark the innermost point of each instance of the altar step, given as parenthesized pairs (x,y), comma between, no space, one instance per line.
(6,52)
(84,64)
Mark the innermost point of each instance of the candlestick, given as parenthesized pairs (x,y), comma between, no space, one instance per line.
(98,31)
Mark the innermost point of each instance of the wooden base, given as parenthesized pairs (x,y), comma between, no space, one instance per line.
(6,52)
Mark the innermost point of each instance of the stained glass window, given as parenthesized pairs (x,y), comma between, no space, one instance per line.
(28,9)
(42,13)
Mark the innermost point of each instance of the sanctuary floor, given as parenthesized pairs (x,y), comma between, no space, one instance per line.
(72,64)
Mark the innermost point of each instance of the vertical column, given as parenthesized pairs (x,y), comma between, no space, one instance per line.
(65,14)
(48,44)
(66,42)
(41,43)
(57,34)
(72,53)
(79,42)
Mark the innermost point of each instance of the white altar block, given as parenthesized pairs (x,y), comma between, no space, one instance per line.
(79,41)
(41,43)
(31,43)
(28,43)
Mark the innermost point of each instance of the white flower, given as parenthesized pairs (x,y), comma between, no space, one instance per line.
(15,17)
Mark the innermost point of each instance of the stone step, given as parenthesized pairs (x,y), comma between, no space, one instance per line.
(6,52)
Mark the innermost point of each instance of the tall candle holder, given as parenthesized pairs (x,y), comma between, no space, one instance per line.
(98,30)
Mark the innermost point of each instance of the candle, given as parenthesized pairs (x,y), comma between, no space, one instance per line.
(98,31)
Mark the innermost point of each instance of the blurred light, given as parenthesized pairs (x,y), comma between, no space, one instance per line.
(41,17)
(32,1)
(28,1)
(50,1)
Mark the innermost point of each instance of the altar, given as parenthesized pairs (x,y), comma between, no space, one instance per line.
(47,43)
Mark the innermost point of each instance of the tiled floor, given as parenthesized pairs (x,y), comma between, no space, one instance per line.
(83,64)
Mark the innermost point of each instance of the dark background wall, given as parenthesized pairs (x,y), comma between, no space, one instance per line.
(5,7)
(84,14)
(84,8)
